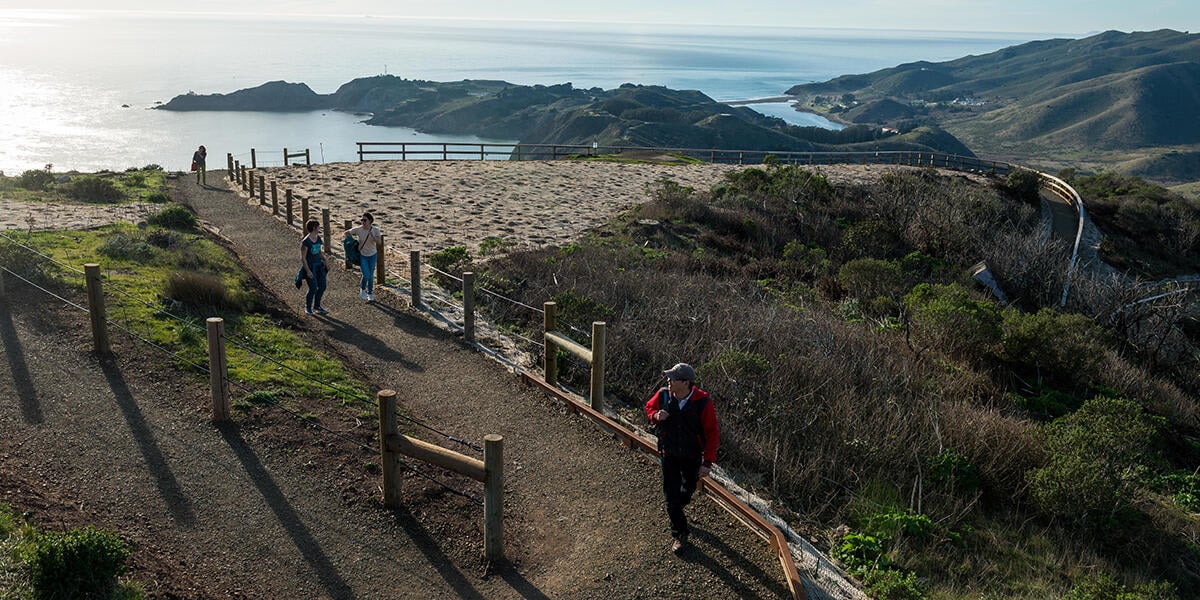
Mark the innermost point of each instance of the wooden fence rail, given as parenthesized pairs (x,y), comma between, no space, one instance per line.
(476,151)
(489,471)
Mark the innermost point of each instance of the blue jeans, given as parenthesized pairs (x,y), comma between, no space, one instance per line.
(367,265)
(316,286)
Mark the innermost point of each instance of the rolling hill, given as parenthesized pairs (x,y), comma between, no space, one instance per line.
(1114,96)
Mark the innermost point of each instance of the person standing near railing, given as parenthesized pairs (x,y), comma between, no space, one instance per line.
(198,165)
(686,424)
(368,236)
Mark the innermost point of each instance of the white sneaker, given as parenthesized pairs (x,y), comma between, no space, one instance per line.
(363,294)
(370,297)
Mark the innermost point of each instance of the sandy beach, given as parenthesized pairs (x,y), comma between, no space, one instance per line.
(432,205)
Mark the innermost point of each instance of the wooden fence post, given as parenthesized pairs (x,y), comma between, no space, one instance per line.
(389,461)
(328,234)
(262,189)
(304,210)
(493,496)
(598,344)
(285,157)
(250,182)
(229,169)
(245,179)
(253,159)
(217,378)
(95,296)
(380,270)
(306,159)
(550,360)
(274,197)
(414,269)
(468,290)
(288,194)
(237,172)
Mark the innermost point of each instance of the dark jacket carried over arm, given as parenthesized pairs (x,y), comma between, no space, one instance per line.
(687,432)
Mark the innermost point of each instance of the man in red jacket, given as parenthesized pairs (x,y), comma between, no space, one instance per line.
(686,422)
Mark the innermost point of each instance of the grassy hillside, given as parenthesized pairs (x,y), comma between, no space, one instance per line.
(1106,99)
(937,443)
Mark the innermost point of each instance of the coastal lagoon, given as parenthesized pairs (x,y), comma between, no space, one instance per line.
(77,89)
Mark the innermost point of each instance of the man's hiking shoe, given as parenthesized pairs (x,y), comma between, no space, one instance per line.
(321,310)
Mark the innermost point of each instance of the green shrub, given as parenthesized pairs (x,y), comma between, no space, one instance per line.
(950,317)
(77,564)
(861,552)
(494,245)
(893,524)
(889,584)
(1023,184)
(1097,456)
(1048,403)
(199,290)
(174,217)
(869,278)
(1064,344)
(1183,487)
(128,247)
(29,265)
(952,469)
(94,189)
(581,310)
(163,238)
(36,180)
(158,197)
(451,260)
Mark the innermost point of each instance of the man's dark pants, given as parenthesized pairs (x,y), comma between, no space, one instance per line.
(679,475)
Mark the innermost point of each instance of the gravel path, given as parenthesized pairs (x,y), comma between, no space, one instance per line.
(583,515)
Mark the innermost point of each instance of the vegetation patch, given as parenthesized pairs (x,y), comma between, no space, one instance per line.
(845,341)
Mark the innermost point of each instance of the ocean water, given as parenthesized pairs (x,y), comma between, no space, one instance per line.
(77,88)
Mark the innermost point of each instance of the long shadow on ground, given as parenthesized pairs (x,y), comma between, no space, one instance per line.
(331,580)
(429,547)
(168,487)
(346,333)
(695,554)
(31,409)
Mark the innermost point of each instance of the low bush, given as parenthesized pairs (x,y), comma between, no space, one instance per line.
(158,197)
(199,291)
(174,217)
(36,180)
(954,470)
(1097,457)
(889,584)
(129,247)
(90,188)
(76,564)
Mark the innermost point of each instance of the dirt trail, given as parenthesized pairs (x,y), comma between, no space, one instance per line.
(268,508)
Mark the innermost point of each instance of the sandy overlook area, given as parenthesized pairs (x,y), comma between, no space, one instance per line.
(431,205)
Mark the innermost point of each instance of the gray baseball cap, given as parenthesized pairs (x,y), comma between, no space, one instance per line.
(681,372)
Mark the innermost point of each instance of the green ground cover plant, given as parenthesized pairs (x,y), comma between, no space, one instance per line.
(51,565)
(862,375)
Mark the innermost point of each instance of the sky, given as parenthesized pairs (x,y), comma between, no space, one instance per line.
(1025,16)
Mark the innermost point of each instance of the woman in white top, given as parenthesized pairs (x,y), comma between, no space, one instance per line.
(368,236)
